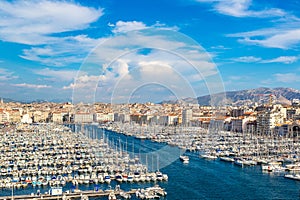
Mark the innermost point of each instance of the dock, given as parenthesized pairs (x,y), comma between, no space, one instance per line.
(73,195)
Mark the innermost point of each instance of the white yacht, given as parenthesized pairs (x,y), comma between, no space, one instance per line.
(185,159)
(293,176)
(226,159)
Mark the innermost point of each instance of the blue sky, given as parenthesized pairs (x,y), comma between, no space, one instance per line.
(48,46)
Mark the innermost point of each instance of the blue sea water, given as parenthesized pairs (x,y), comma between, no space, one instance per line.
(200,179)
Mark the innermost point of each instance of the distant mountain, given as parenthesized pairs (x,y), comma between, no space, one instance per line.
(6,100)
(52,100)
(237,98)
(259,95)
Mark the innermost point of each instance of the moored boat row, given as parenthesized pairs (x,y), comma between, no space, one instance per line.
(53,155)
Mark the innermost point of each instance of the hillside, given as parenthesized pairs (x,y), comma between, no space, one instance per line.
(259,95)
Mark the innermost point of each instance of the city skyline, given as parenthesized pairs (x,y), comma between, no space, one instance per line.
(45,43)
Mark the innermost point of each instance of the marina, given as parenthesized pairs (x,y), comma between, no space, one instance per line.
(200,178)
(243,149)
(166,100)
(48,155)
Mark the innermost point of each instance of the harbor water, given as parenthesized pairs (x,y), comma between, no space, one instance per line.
(199,179)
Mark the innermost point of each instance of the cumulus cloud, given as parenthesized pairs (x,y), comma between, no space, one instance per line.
(84,81)
(131,60)
(126,26)
(122,26)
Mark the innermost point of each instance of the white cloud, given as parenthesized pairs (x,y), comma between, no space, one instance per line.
(58,75)
(40,23)
(64,51)
(155,70)
(73,49)
(83,81)
(283,36)
(146,39)
(246,59)
(6,75)
(287,78)
(122,26)
(280,39)
(252,59)
(219,47)
(128,61)
(241,8)
(86,82)
(282,59)
(33,86)
(261,32)
(32,22)
(153,74)
(69,87)
(236,78)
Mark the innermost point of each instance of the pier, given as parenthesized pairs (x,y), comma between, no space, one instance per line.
(65,196)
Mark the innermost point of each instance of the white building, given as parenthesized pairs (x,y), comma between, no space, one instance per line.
(4,116)
(167,120)
(83,118)
(237,125)
(121,117)
(104,117)
(26,119)
(269,119)
(57,117)
(187,116)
